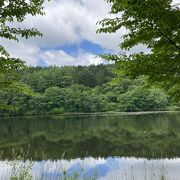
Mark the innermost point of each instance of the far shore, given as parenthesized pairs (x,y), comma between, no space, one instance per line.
(113,113)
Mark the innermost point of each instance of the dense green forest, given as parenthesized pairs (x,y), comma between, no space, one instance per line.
(81,89)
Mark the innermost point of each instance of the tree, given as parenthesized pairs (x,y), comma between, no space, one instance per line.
(15,11)
(139,99)
(155,24)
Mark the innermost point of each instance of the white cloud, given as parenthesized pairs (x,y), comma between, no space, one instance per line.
(61,58)
(68,22)
(32,54)
(27,51)
(65,23)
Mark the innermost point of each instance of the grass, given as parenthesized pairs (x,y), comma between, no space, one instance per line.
(22,169)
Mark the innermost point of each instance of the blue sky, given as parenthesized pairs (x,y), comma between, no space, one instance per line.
(70,38)
(85,45)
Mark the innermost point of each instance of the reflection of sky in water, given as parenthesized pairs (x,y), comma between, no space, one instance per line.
(103,169)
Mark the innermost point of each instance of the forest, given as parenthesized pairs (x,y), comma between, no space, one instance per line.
(81,89)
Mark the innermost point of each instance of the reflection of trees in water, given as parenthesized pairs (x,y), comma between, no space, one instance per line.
(80,136)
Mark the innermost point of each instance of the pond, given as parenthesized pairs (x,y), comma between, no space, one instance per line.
(109,146)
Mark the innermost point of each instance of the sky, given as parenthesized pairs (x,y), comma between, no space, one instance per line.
(69,35)
(70,38)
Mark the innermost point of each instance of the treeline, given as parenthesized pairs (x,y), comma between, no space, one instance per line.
(81,89)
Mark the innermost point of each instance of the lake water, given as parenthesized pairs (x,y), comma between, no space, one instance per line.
(125,147)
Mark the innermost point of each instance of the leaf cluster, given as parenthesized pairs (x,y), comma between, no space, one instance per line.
(12,14)
(154,24)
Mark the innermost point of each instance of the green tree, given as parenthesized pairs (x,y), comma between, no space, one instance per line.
(15,11)
(140,99)
(156,25)
(92,76)
(54,94)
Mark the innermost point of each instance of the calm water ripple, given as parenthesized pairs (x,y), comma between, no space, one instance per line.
(99,147)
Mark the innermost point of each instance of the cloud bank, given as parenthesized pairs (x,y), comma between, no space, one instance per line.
(66,24)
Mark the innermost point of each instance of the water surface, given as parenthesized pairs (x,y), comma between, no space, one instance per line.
(104,147)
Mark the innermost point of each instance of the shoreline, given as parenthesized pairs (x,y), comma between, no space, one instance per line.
(113,113)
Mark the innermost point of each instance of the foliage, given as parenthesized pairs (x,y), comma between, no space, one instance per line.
(156,25)
(11,14)
(62,90)
(143,100)
(93,75)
